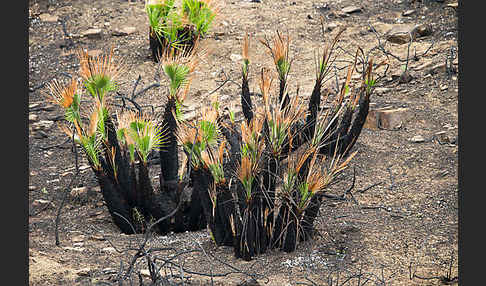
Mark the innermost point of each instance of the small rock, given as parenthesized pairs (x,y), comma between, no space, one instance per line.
(400,34)
(77,238)
(453,5)
(145,272)
(443,138)
(444,87)
(408,13)
(109,270)
(41,202)
(78,249)
(417,139)
(331,26)
(43,124)
(48,18)
(124,31)
(405,77)
(381,90)
(98,237)
(83,167)
(236,57)
(32,188)
(33,105)
(33,117)
(422,30)
(351,9)
(78,192)
(108,250)
(83,271)
(385,118)
(92,33)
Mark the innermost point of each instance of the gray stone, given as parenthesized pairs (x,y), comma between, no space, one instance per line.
(405,77)
(33,117)
(408,13)
(77,238)
(351,9)
(386,118)
(236,57)
(417,139)
(92,33)
(43,124)
(83,271)
(124,31)
(402,34)
(45,17)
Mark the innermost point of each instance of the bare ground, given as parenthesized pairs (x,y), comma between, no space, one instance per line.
(401,231)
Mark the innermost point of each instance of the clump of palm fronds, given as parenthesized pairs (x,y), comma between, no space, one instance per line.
(257,184)
(178,28)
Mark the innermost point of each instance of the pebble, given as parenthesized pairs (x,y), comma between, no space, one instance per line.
(83,271)
(108,250)
(43,124)
(78,249)
(443,87)
(351,9)
(77,238)
(48,18)
(92,33)
(124,31)
(236,57)
(41,202)
(33,117)
(417,139)
(331,26)
(408,13)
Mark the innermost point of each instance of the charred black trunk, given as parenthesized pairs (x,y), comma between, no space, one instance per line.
(224,210)
(290,240)
(202,181)
(169,157)
(154,207)
(246,104)
(117,205)
(270,173)
(309,217)
(314,103)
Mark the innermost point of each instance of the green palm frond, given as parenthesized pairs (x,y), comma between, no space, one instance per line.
(147,136)
(199,14)
(178,76)
(209,131)
(92,147)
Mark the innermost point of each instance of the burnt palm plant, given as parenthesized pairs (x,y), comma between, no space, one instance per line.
(172,28)
(257,184)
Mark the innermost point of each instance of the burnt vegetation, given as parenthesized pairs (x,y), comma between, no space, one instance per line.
(256,183)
